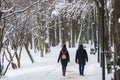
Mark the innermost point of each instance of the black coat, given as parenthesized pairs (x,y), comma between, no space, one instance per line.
(81,56)
(64,61)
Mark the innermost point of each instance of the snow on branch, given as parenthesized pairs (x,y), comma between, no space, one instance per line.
(5,11)
(98,3)
(20,11)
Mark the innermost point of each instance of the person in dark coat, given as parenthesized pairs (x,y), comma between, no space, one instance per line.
(81,58)
(64,58)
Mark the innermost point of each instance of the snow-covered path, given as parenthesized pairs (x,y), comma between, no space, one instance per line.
(47,68)
(92,68)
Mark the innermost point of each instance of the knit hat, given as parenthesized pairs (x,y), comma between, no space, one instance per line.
(80,46)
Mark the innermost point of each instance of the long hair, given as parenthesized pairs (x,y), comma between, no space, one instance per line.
(64,47)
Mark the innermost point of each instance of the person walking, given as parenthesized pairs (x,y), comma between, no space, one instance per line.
(64,58)
(81,58)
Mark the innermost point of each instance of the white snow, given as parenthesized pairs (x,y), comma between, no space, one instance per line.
(119,20)
(55,13)
(5,11)
(47,68)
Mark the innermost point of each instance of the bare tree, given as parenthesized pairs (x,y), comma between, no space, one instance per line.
(117,38)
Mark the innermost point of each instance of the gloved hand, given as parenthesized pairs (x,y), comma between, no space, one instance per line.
(76,62)
(87,60)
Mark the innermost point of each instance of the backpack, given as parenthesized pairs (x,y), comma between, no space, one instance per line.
(63,56)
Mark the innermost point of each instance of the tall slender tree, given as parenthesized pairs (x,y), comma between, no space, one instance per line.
(116,15)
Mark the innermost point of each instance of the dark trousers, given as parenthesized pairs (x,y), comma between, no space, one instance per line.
(81,69)
(63,70)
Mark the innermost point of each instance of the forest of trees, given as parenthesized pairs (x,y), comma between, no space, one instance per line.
(40,24)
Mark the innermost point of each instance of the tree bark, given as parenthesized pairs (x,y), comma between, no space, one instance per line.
(29,54)
(116,15)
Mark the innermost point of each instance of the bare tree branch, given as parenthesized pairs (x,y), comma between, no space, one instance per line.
(20,11)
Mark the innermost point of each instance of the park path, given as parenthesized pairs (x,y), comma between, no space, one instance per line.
(47,68)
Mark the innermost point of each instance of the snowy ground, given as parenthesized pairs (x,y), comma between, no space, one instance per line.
(47,68)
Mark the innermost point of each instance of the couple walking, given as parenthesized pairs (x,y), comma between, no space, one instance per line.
(80,58)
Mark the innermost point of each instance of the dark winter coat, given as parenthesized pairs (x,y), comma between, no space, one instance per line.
(81,56)
(64,61)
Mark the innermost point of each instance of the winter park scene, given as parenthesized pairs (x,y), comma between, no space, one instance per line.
(59,39)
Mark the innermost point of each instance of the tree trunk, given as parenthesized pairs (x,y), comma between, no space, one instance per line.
(1,38)
(116,15)
(74,25)
(63,31)
(14,66)
(18,57)
(69,32)
(29,54)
